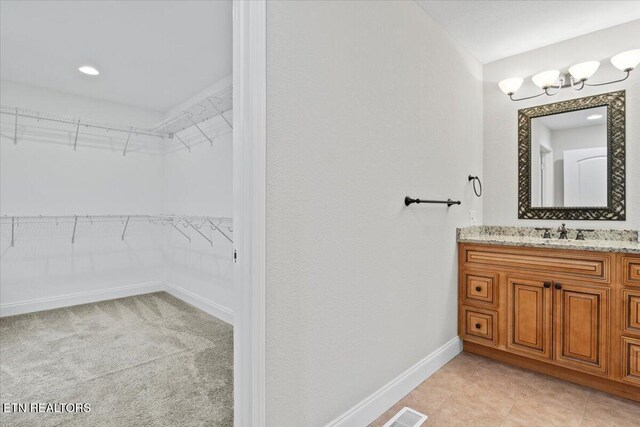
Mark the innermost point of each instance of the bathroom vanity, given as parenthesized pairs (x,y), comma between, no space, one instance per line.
(565,308)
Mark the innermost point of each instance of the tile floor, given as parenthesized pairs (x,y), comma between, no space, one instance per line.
(475,391)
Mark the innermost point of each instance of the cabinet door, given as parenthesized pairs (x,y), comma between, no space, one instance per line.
(581,327)
(529,317)
(631,360)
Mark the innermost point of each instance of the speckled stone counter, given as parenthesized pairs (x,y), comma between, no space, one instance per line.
(623,241)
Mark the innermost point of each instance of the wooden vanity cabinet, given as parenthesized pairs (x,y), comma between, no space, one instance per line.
(566,313)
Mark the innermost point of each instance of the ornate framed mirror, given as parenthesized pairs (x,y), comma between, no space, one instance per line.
(571,159)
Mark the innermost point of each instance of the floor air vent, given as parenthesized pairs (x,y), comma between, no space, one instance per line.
(407,417)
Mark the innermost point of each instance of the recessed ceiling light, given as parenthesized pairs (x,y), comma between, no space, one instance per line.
(88,69)
(594,117)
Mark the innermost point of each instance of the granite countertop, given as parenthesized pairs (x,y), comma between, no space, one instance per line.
(623,241)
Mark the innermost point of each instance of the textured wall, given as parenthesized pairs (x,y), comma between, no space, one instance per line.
(500,119)
(367,102)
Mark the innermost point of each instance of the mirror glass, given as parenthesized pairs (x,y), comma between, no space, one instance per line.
(569,159)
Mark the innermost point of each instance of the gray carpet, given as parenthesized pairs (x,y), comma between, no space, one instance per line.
(148,360)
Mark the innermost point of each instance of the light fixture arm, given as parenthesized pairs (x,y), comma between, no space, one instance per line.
(613,81)
(574,86)
(559,87)
(526,97)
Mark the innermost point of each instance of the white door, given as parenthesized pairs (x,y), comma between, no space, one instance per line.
(585,177)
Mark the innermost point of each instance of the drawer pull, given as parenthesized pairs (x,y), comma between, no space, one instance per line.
(547,285)
(558,286)
(478,288)
(478,325)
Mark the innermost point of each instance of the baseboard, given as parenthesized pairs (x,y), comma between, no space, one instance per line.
(223,313)
(41,304)
(379,402)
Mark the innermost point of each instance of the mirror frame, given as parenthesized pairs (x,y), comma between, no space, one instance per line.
(615,209)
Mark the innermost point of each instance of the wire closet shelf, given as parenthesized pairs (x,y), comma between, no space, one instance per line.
(217,105)
(181,223)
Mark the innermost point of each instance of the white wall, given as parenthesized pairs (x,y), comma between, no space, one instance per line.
(540,137)
(44,176)
(367,102)
(500,119)
(572,139)
(201,183)
(41,176)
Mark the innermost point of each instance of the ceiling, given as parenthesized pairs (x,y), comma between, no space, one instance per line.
(575,119)
(492,30)
(151,54)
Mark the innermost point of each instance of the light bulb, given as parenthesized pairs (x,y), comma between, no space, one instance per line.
(546,79)
(626,61)
(584,70)
(510,86)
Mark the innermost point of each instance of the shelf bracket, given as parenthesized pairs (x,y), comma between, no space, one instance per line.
(124,153)
(15,131)
(180,231)
(180,139)
(124,230)
(199,128)
(220,231)
(75,142)
(220,113)
(13,231)
(75,225)
(200,233)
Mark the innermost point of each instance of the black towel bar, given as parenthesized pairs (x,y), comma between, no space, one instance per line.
(408,200)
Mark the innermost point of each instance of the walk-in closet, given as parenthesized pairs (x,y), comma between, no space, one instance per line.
(116,203)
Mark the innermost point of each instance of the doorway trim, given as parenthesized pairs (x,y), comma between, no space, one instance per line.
(249,210)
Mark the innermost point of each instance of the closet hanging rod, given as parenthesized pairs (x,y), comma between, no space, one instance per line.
(191,117)
(197,223)
(408,201)
(78,122)
(70,219)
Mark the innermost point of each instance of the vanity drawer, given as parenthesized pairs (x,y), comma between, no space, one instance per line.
(631,360)
(480,325)
(594,267)
(631,271)
(479,288)
(631,311)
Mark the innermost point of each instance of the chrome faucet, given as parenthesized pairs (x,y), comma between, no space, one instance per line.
(563,232)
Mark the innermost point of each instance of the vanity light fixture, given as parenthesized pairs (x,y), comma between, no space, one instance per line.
(89,70)
(594,117)
(552,81)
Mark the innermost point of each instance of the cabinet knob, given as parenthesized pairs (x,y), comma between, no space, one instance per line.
(557,286)
(478,325)
(478,288)
(547,284)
